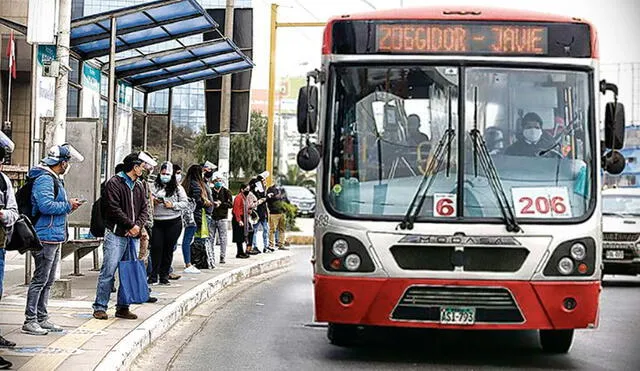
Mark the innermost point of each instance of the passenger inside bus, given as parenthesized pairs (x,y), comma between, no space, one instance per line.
(530,141)
(494,138)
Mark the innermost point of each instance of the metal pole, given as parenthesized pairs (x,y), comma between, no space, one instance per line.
(145,125)
(169,126)
(225,104)
(9,95)
(272,85)
(62,80)
(111,101)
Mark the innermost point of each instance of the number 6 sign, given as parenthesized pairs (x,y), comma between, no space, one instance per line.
(546,202)
(444,205)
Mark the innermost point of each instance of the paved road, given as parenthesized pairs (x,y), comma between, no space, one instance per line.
(266,327)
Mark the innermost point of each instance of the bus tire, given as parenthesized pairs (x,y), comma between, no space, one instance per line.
(556,341)
(342,335)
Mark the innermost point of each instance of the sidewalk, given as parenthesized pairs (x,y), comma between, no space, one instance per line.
(87,343)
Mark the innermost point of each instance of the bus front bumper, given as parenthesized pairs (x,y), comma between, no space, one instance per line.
(419,302)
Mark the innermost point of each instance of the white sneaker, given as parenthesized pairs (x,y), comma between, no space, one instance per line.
(192,270)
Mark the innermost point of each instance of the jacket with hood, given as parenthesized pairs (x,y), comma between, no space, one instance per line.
(51,226)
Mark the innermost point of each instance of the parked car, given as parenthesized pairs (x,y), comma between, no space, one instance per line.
(302,198)
(621,227)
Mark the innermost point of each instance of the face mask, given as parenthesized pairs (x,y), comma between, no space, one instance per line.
(179,178)
(165,178)
(208,175)
(245,193)
(532,135)
(66,169)
(218,184)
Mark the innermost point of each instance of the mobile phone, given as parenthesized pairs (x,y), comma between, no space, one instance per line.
(82,201)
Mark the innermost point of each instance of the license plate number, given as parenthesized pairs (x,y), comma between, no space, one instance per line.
(457,316)
(614,254)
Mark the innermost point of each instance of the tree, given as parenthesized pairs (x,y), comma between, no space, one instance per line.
(300,178)
(247,155)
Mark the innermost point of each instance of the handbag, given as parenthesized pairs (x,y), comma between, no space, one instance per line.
(187,214)
(203,232)
(23,237)
(133,287)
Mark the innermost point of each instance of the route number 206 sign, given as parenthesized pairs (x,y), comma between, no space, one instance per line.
(544,202)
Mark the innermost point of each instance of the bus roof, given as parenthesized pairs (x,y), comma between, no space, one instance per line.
(460,13)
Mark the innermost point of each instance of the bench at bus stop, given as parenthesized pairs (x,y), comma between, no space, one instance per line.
(79,248)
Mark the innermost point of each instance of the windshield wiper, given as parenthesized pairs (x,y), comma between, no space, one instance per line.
(444,146)
(608,213)
(481,153)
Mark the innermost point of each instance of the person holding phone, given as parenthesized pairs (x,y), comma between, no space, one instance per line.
(169,201)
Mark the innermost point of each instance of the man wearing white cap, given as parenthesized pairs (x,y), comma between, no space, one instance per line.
(222,202)
(258,187)
(49,209)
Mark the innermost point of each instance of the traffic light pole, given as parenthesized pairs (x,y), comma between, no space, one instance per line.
(225,111)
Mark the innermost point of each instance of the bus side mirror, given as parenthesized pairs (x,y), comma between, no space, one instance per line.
(613,162)
(307,109)
(614,126)
(309,157)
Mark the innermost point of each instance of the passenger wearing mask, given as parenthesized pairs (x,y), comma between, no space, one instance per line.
(222,201)
(169,200)
(240,223)
(125,215)
(530,143)
(8,216)
(51,206)
(258,187)
(196,189)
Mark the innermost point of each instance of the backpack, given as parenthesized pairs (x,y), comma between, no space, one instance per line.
(97,225)
(23,197)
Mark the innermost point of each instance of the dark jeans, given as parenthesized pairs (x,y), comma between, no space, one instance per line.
(43,278)
(164,237)
(3,253)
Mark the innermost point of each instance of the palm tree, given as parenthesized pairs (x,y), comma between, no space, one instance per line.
(296,177)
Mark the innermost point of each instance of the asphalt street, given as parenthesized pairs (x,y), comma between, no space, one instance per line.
(268,326)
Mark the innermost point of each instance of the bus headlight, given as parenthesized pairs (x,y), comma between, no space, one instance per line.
(565,266)
(578,251)
(352,262)
(340,248)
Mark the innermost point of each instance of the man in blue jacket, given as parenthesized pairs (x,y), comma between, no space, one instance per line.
(51,205)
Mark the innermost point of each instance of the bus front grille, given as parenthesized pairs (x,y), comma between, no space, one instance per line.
(423,303)
(471,259)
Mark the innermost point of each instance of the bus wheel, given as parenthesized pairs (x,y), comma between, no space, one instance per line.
(556,341)
(342,335)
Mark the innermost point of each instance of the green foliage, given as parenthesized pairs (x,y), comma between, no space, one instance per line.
(247,153)
(290,215)
(300,178)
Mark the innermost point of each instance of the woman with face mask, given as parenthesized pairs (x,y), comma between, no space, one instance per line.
(169,201)
(240,223)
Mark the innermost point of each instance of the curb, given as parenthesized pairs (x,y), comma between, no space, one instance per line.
(122,355)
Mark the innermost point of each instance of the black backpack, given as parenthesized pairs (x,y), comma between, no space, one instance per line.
(97,225)
(23,197)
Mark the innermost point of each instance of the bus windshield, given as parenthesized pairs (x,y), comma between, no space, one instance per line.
(387,123)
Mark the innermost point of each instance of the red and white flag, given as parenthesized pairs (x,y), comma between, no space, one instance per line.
(11,53)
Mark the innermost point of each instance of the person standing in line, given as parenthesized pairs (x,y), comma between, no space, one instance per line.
(8,216)
(169,200)
(277,220)
(258,188)
(126,214)
(50,205)
(240,224)
(195,188)
(222,201)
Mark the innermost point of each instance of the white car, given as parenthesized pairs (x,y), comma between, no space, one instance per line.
(302,198)
(621,227)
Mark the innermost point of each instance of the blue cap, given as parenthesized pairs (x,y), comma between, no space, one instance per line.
(56,155)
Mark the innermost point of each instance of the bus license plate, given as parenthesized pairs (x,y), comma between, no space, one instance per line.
(614,254)
(457,316)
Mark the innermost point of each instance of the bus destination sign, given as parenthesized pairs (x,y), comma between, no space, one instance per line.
(501,39)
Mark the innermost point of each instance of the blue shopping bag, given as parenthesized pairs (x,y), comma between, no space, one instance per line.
(133,278)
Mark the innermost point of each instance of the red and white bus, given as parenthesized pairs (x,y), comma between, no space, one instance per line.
(459,159)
